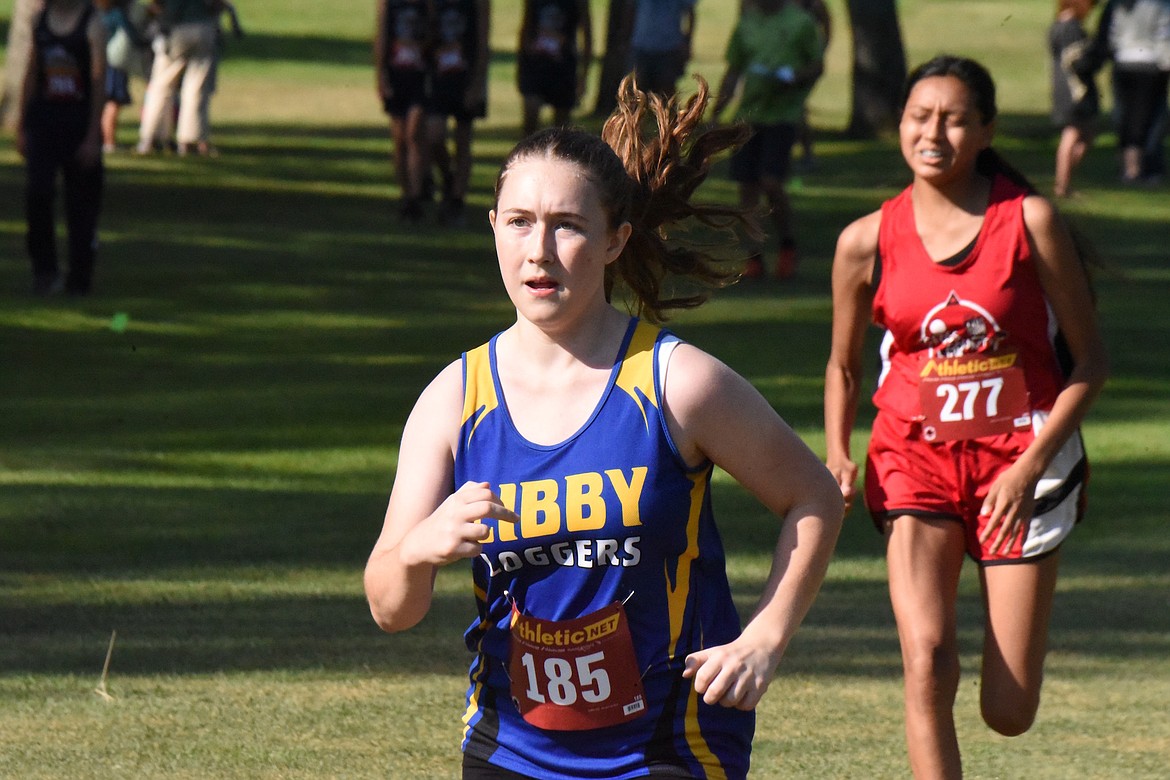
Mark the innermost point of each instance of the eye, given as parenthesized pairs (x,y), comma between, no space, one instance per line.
(518,222)
(565,224)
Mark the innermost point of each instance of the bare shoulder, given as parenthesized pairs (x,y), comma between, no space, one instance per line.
(1040,214)
(857,249)
(694,378)
(1049,235)
(859,240)
(437,413)
(704,399)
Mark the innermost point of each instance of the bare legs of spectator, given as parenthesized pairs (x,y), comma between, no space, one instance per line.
(1074,142)
(410,159)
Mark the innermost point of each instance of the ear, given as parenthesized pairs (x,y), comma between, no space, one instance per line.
(492,218)
(617,242)
(989,132)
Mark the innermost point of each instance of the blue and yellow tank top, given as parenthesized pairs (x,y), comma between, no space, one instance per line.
(612,514)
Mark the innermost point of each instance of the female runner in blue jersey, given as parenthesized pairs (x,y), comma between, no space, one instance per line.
(570,460)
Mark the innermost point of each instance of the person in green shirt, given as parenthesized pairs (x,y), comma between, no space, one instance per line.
(773,59)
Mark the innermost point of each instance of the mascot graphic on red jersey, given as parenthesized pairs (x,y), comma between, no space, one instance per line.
(957,327)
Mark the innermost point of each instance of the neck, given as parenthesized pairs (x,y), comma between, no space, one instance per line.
(592,342)
(968,194)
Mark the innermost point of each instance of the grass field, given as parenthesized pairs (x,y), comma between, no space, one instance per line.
(198,456)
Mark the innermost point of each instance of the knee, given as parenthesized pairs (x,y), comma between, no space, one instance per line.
(931,667)
(1009,715)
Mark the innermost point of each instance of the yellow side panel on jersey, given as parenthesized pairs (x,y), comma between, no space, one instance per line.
(637,372)
(479,391)
(678,593)
(698,745)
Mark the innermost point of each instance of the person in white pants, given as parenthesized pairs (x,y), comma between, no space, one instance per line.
(184,60)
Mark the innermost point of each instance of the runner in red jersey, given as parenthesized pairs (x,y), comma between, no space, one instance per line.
(976,447)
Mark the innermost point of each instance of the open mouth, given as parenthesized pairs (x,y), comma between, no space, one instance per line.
(541,285)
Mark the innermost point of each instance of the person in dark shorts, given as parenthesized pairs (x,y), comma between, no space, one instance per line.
(458,91)
(554,54)
(773,59)
(60,133)
(661,41)
(400,57)
(1075,100)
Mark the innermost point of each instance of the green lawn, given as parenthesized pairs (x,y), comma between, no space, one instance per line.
(198,456)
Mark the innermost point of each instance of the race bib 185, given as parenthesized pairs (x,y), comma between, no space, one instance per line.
(571,675)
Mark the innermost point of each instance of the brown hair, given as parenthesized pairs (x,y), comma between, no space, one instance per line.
(648,182)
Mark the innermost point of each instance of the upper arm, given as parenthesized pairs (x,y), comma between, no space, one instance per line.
(716,414)
(379,30)
(425,474)
(853,266)
(1066,285)
(96,33)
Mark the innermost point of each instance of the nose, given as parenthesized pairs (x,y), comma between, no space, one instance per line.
(540,247)
(933,126)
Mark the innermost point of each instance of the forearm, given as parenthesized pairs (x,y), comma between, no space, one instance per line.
(799,564)
(399,595)
(842,394)
(1065,418)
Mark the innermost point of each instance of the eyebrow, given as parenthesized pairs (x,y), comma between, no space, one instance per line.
(552,215)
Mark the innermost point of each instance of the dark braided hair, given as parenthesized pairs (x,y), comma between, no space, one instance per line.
(648,182)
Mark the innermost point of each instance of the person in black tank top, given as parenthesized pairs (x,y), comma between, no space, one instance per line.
(59,130)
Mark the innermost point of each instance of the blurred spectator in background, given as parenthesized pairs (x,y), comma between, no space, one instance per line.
(127,54)
(184,58)
(60,130)
(400,59)
(458,91)
(773,59)
(554,54)
(661,40)
(804,135)
(1075,101)
(1135,35)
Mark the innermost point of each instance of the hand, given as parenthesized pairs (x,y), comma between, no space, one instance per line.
(845,472)
(732,675)
(1008,507)
(455,530)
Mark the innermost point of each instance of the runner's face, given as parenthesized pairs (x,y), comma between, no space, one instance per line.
(941,130)
(553,239)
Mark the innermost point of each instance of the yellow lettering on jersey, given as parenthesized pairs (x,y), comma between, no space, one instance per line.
(539,513)
(629,493)
(508,499)
(584,506)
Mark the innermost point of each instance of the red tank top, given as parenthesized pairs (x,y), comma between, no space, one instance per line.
(957,325)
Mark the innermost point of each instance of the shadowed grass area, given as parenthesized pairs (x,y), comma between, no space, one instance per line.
(206,472)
